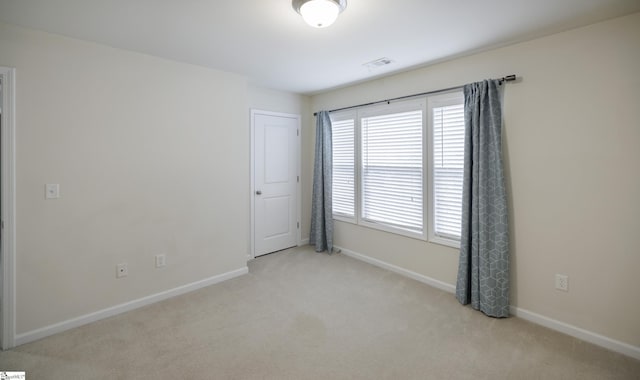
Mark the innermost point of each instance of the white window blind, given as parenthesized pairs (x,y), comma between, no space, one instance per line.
(383,156)
(392,179)
(343,137)
(448,165)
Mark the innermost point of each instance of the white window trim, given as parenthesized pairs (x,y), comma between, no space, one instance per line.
(345,218)
(403,106)
(426,103)
(350,115)
(434,101)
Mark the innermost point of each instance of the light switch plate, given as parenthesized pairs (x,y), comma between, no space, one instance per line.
(52,191)
(161,261)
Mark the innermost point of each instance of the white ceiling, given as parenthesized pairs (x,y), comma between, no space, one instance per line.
(267,41)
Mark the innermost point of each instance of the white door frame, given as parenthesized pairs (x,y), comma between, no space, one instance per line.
(8,199)
(254,112)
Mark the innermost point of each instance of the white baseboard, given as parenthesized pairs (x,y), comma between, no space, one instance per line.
(43,332)
(304,242)
(396,269)
(565,328)
(577,332)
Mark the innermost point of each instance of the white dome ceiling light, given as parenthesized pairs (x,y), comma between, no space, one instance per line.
(319,13)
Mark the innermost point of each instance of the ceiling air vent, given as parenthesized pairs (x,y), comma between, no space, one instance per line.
(384,61)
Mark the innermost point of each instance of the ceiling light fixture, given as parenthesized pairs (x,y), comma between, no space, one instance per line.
(319,13)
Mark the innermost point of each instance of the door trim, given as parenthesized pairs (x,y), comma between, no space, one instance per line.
(254,112)
(8,199)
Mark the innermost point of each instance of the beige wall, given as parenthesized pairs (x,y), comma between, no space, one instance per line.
(142,149)
(152,156)
(266,99)
(572,138)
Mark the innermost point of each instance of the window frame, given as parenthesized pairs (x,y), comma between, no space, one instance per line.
(342,116)
(426,105)
(454,97)
(379,110)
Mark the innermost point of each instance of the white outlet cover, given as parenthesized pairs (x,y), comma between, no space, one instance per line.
(562,282)
(161,261)
(52,191)
(122,270)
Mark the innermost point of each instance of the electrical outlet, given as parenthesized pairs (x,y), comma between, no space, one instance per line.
(122,270)
(51,191)
(161,261)
(562,282)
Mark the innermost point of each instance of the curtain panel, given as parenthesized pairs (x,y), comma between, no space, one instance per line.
(483,273)
(321,235)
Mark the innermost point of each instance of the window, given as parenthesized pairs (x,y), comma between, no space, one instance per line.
(391,167)
(343,135)
(387,160)
(447,164)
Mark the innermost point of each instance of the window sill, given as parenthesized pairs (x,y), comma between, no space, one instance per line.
(451,243)
(382,227)
(444,241)
(346,219)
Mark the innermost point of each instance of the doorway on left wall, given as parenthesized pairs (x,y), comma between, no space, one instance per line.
(7,207)
(275,181)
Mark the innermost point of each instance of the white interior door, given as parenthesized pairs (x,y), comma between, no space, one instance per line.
(7,207)
(276,177)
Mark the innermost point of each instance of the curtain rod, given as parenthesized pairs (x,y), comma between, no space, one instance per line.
(507,78)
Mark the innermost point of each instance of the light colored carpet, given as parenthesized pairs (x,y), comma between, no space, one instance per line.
(303,315)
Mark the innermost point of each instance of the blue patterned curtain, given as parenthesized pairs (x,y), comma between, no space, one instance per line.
(321,202)
(483,273)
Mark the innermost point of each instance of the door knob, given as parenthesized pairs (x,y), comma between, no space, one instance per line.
(258,192)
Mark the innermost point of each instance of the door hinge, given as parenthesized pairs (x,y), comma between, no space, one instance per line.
(298,224)
(297,132)
(298,178)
